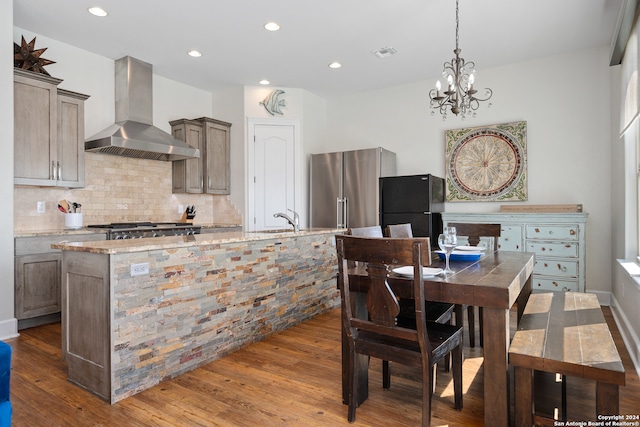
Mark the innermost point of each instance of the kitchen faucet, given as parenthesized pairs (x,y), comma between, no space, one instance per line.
(295,222)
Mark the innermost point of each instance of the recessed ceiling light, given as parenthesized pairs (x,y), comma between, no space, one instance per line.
(264,82)
(272,26)
(194,53)
(335,65)
(97,11)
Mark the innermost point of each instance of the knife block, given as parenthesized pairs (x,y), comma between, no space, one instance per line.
(186,219)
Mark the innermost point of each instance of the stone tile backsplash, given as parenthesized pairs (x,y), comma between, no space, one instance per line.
(119,189)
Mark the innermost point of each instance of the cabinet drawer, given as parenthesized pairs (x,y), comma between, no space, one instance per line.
(550,267)
(563,232)
(510,238)
(42,244)
(543,284)
(553,249)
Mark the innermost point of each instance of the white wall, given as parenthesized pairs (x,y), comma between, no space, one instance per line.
(565,101)
(299,104)
(625,297)
(228,106)
(8,324)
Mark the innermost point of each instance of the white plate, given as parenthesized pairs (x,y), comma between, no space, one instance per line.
(471,248)
(407,271)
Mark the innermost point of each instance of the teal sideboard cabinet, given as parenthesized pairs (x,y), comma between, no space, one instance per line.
(557,239)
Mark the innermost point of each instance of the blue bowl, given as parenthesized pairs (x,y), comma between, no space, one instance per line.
(460,256)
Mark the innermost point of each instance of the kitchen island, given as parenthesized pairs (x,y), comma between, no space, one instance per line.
(137,312)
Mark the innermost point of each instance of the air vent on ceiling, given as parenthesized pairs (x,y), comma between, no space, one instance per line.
(384,52)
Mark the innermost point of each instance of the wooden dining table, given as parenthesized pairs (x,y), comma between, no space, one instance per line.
(496,282)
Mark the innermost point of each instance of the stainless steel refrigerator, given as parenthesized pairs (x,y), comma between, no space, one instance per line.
(344,187)
(415,199)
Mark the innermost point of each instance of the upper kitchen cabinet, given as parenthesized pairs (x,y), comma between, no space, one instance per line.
(210,173)
(48,132)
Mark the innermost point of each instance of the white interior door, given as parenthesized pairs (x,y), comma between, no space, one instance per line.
(272,170)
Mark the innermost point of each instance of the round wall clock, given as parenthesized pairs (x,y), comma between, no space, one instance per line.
(487,163)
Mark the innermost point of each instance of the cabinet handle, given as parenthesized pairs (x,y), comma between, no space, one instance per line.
(208,182)
(562,268)
(53,170)
(59,171)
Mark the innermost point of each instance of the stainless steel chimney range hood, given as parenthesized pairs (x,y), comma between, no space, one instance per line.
(133,134)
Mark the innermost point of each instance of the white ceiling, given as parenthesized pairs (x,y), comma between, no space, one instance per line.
(238,51)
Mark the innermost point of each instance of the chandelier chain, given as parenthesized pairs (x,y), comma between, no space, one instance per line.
(460,97)
(457,25)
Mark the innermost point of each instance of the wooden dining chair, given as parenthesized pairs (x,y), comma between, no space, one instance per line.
(372,231)
(440,312)
(399,230)
(436,311)
(474,232)
(379,336)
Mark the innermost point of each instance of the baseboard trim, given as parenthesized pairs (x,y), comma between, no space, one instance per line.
(629,337)
(604,298)
(9,329)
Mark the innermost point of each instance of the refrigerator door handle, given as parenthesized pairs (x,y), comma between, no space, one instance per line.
(339,212)
(345,210)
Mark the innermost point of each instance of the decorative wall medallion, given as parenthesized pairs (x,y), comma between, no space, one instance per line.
(272,103)
(27,57)
(487,163)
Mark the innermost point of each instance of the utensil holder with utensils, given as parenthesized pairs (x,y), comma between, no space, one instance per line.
(73,220)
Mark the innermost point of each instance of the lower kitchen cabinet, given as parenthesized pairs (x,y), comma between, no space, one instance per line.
(37,291)
(557,239)
(38,276)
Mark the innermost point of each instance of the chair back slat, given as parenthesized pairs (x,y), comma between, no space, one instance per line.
(382,304)
(475,231)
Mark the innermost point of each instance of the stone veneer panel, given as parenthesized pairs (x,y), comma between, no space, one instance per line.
(201,303)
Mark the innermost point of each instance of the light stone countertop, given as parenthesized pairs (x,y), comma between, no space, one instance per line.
(172,242)
(88,230)
(58,232)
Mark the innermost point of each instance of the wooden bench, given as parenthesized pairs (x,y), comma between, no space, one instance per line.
(564,333)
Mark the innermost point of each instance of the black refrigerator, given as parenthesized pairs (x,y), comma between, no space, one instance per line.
(415,199)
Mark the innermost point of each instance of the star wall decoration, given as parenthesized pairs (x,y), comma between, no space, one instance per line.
(25,56)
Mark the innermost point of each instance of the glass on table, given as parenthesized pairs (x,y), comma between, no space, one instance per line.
(447,242)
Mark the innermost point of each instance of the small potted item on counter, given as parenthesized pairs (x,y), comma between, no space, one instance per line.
(72,213)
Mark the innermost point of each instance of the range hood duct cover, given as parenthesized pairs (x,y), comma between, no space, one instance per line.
(133,134)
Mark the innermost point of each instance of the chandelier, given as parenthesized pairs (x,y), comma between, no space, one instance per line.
(459,96)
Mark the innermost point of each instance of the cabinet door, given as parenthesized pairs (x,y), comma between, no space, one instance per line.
(35,130)
(217,158)
(188,174)
(70,155)
(37,285)
(511,238)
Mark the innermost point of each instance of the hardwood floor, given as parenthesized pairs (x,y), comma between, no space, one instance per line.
(289,379)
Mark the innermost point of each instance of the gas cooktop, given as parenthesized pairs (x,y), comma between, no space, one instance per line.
(120,225)
(139,230)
